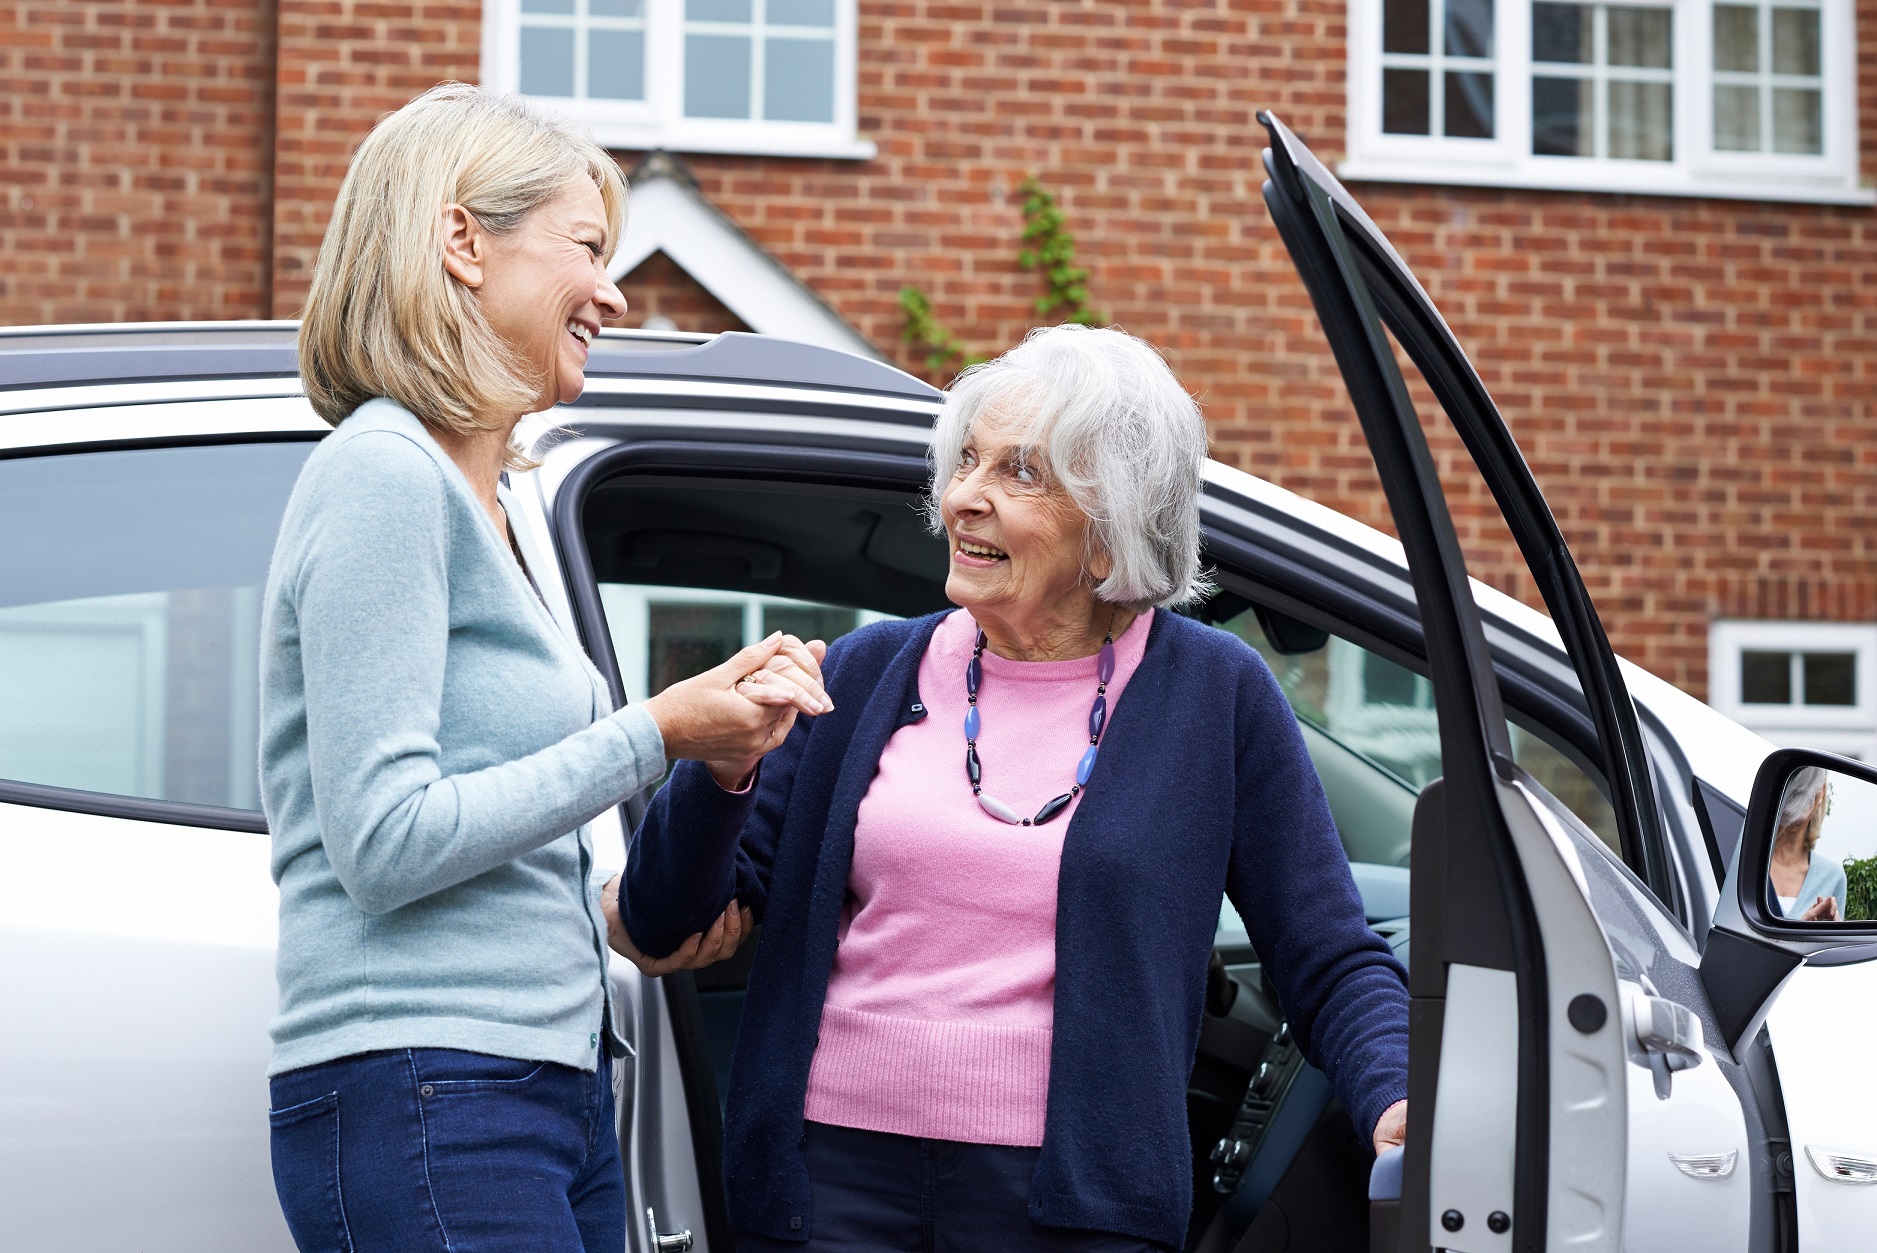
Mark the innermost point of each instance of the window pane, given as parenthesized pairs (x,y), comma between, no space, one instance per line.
(1469,28)
(1561,33)
(1469,106)
(1640,118)
(686,640)
(1736,37)
(1737,119)
(1404,26)
(1795,41)
(547,61)
(616,8)
(1798,121)
(1404,102)
(130,591)
(809,622)
(1385,683)
(1639,37)
(547,6)
(1765,678)
(1566,780)
(616,64)
(1561,117)
(798,80)
(800,13)
(717,10)
(1831,678)
(717,76)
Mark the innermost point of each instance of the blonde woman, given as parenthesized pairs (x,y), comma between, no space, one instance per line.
(433,741)
(1808,888)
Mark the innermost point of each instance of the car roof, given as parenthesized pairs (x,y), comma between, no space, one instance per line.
(58,356)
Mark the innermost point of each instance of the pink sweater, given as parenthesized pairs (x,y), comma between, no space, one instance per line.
(941,1004)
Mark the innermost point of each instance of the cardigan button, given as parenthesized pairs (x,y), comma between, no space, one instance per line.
(795,1223)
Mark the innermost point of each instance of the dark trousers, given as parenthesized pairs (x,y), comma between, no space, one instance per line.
(432,1149)
(879,1193)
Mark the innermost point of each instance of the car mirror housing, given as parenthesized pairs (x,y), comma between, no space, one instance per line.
(1802,889)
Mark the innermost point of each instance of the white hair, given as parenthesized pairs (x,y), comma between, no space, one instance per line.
(1801,795)
(1104,418)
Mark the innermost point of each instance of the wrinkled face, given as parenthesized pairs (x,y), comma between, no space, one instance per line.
(545,290)
(1017,540)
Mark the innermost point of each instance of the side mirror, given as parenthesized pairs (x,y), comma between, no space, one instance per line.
(1802,888)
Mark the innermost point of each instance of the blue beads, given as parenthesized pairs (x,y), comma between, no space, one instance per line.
(972,723)
(974,674)
(1097,716)
(973,768)
(1086,768)
(1104,668)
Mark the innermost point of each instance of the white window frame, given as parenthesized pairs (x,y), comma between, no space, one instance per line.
(1697,169)
(658,121)
(1848,729)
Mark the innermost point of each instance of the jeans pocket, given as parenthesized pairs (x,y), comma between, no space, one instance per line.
(304,1143)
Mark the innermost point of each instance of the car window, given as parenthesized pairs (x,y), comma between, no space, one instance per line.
(130,587)
(662,634)
(1370,727)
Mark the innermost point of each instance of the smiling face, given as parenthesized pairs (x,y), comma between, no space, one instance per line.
(1018,542)
(544,289)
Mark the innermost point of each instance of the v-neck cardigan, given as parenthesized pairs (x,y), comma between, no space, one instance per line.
(1203,788)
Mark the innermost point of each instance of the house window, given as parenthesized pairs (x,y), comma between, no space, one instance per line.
(763,77)
(1799,684)
(1769,84)
(1677,97)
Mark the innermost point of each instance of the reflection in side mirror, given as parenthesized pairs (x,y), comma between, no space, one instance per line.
(1822,863)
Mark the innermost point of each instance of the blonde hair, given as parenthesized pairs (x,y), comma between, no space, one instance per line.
(383,317)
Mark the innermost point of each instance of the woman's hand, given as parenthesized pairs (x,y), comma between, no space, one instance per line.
(1391,1130)
(730,716)
(701,950)
(1824,909)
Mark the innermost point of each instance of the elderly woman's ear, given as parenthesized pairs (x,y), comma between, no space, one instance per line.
(465,245)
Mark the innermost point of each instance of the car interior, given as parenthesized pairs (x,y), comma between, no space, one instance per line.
(691,569)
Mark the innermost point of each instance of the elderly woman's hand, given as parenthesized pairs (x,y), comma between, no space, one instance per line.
(729,716)
(1824,909)
(1391,1130)
(706,947)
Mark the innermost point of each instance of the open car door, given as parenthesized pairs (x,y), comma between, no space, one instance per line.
(1567,1085)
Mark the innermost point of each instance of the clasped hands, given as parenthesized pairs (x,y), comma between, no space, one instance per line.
(728,718)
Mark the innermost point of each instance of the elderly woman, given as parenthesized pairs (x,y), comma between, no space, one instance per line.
(991,878)
(1808,888)
(433,740)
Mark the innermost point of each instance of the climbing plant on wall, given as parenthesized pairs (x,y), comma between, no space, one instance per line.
(1045,246)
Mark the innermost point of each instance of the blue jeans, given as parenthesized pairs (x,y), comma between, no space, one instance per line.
(874,1192)
(417,1149)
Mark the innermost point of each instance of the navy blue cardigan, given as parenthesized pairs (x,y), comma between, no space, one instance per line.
(1203,787)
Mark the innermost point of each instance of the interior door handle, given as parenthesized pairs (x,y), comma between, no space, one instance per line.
(1667,1030)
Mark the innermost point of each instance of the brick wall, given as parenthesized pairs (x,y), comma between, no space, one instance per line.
(343,65)
(1694,382)
(135,156)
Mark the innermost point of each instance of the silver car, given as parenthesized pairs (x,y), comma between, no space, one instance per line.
(1615,1044)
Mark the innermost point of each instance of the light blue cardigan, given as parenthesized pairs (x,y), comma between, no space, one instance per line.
(432,746)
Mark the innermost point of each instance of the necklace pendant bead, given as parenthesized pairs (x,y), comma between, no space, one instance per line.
(972,723)
(1082,770)
(998,810)
(1052,807)
(974,674)
(1097,716)
(1104,668)
(974,769)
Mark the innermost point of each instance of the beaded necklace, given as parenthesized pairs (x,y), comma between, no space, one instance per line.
(974,770)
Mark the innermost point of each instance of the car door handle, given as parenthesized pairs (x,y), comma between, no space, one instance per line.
(1667,1030)
(665,1241)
